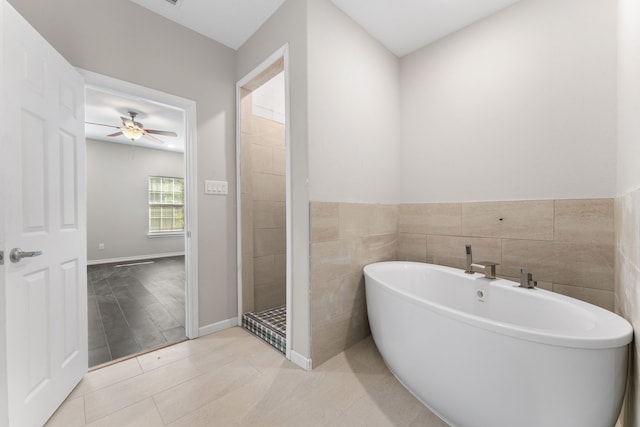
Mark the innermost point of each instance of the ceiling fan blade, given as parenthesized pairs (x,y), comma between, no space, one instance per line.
(161,132)
(100,124)
(152,138)
(116,134)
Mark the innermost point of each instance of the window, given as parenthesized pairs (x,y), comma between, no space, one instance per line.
(166,205)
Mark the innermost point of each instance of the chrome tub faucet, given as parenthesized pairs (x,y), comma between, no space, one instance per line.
(486,267)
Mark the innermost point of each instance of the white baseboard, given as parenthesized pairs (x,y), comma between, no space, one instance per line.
(218,326)
(133,258)
(300,360)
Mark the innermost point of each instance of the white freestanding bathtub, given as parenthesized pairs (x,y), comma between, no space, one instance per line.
(485,353)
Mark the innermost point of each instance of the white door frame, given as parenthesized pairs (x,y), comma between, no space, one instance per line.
(119,87)
(283,52)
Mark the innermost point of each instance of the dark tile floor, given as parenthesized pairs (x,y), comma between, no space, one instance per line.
(134,308)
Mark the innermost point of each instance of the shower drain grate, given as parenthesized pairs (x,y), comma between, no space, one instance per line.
(269,325)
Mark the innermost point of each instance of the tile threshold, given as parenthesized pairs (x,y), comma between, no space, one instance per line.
(132,356)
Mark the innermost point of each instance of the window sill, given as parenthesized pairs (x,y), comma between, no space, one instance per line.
(165,234)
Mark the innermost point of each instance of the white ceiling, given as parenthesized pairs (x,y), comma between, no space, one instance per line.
(107,108)
(230,22)
(401,25)
(404,26)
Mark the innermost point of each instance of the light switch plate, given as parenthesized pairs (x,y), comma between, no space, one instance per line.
(216,187)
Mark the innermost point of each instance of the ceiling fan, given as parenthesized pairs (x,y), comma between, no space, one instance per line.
(134,130)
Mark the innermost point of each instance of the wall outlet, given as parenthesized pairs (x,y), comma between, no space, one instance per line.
(216,187)
(101,246)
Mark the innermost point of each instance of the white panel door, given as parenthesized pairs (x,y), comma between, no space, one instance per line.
(44,211)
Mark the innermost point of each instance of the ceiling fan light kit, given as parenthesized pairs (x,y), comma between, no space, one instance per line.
(132,133)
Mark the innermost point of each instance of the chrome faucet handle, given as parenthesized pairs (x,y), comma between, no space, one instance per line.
(526,279)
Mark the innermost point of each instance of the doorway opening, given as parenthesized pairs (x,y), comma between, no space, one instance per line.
(264,250)
(141,284)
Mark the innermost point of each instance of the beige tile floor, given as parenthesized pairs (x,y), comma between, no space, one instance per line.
(233,379)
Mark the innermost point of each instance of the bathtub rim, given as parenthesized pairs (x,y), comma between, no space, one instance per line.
(622,329)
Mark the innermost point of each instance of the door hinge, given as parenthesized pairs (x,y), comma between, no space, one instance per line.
(1,257)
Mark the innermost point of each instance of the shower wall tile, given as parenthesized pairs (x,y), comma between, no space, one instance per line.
(278,161)
(263,190)
(270,295)
(268,187)
(280,266)
(264,270)
(246,178)
(344,238)
(262,158)
(245,110)
(268,131)
(247,224)
(247,284)
(515,220)
(280,241)
(263,214)
(263,241)
(279,214)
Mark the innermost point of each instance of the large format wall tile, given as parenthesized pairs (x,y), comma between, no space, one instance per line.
(325,224)
(584,221)
(430,218)
(516,220)
(587,266)
(594,296)
(567,244)
(344,238)
(412,247)
(263,196)
(627,284)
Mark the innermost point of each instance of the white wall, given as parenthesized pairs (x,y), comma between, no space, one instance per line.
(96,36)
(521,105)
(629,96)
(117,199)
(628,202)
(289,26)
(354,107)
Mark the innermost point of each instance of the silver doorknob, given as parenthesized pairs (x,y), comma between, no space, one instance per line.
(17,254)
